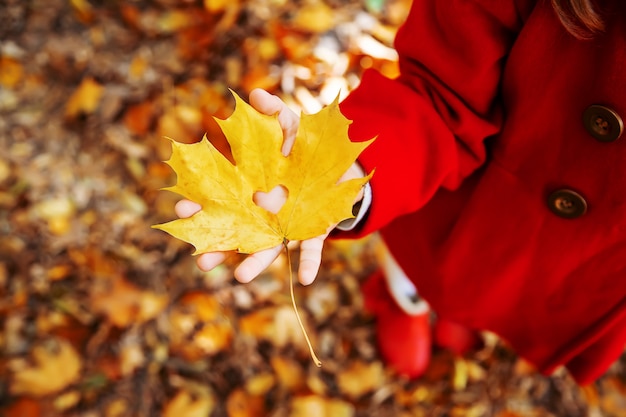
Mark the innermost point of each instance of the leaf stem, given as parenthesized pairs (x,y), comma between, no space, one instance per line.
(317,362)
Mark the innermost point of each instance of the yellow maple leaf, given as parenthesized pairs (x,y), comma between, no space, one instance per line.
(85,100)
(55,366)
(229,219)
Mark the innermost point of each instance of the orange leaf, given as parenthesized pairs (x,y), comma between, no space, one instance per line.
(84,11)
(23,407)
(55,366)
(85,100)
(124,304)
(11,72)
(360,378)
(242,404)
(138,118)
(199,326)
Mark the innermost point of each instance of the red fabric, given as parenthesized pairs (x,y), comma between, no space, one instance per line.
(483,124)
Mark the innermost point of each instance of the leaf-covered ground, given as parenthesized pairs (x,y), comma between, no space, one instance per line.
(103,316)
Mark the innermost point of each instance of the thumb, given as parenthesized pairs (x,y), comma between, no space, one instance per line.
(270,104)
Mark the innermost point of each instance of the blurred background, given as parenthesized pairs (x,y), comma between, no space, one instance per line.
(101,315)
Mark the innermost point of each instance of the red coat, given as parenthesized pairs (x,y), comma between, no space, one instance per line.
(490,116)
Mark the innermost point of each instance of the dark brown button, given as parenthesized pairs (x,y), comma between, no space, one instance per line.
(567,204)
(603,123)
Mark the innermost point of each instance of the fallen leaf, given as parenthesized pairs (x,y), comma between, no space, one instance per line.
(242,404)
(475,410)
(315,17)
(313,405)
(196,404)
(182,120)
(23,407)
(85,99)
(199,326)
(66,400)
(11,72)
(116,408)
(260,384)
(216,6)
(175,20)
(229,218)
(131,358)
(55,366)
(131,15)
(84,11)
(360,378)
(138,118)
(461,374)
(288,372)
(57,212)
(276,324)
(123,303)
(413,395)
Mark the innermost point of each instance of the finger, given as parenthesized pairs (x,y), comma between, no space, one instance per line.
(256,263)
(270,104)
(265,102)
(310,259)
(186,208)
(208,261)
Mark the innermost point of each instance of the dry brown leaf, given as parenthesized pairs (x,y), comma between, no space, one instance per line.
(55,366)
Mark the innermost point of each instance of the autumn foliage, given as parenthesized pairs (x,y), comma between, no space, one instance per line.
(101,315)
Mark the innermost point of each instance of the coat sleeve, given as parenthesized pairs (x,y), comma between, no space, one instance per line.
(431,122)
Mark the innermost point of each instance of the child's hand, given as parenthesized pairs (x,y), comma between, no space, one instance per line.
(310,249)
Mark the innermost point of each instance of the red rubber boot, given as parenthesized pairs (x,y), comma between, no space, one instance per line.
(404,340)
(456,337)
